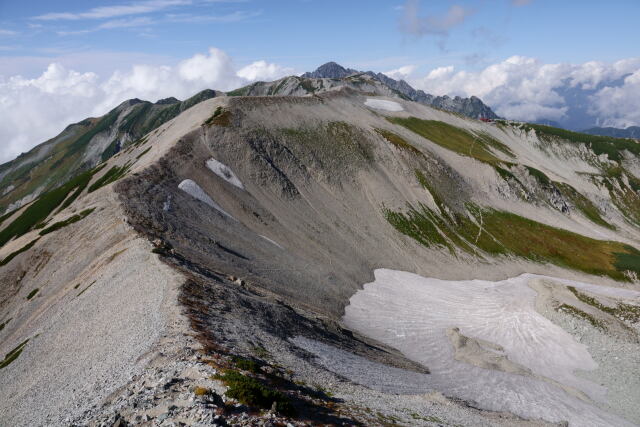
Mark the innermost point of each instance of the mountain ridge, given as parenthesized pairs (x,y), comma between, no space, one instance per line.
(234,252)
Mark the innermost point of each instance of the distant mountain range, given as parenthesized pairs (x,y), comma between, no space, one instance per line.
(630,132)
(471,107)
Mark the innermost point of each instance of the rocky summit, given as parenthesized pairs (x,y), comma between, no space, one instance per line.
(327,249)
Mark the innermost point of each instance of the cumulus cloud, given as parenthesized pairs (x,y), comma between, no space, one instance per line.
(261,70)
(34,110)
(524,88)
(401,73)
(619,106)
(412,23)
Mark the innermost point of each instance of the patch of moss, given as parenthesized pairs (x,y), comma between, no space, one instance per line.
(583,204)
(32,293)
(246,364)
(13,354)
(112,175)
(39,210)
(251,392)
(540,176)
(143,153)
(494,143)
(220,117)
(14,254)
(450,137)
(61,224)
(398,141)
(201,391)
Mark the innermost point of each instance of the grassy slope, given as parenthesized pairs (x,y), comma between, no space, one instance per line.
(505,233)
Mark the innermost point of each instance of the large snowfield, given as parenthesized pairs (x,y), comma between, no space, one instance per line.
(512,358)
(381,104)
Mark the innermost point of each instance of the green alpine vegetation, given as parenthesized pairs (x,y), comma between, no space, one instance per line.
(398,141)
(13,354)
(250,391)
(112,175)
(14,254)
(68,221)
(612,147)
(39,210)
(454,138)
(505,233)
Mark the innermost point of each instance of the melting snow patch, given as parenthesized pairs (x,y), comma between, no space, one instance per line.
(193,189)
(224,172)
(270,241)
(485,342)
(377,376)
(381,104)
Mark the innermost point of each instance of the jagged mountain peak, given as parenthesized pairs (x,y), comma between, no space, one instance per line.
(330,70)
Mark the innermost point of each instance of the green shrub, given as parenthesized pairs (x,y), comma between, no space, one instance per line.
(251,392)
(220,117)
(112,175)
(12,255)
(246,364)
(68,221)
(13,354)
(32,293)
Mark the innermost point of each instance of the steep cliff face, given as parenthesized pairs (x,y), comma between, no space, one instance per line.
(254,223)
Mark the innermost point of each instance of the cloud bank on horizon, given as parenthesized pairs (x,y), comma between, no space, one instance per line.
(34,110)
(577,96)
(519,88)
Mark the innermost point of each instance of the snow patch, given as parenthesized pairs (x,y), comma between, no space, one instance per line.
(381,104)
(417,315)
(194,190)
(360,370)
(224,172)
(270,241)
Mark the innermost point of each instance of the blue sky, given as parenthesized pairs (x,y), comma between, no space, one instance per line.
(303,34)
(573,62)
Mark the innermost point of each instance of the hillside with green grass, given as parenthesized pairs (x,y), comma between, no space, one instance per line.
(81,146)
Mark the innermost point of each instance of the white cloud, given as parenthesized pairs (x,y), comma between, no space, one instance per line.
(4,32)
(526,89)
(520,2)
(34,110)
(619,106)
(261,70)
(104,12)
(401,73)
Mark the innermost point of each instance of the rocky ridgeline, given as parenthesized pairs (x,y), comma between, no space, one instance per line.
(471,107)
